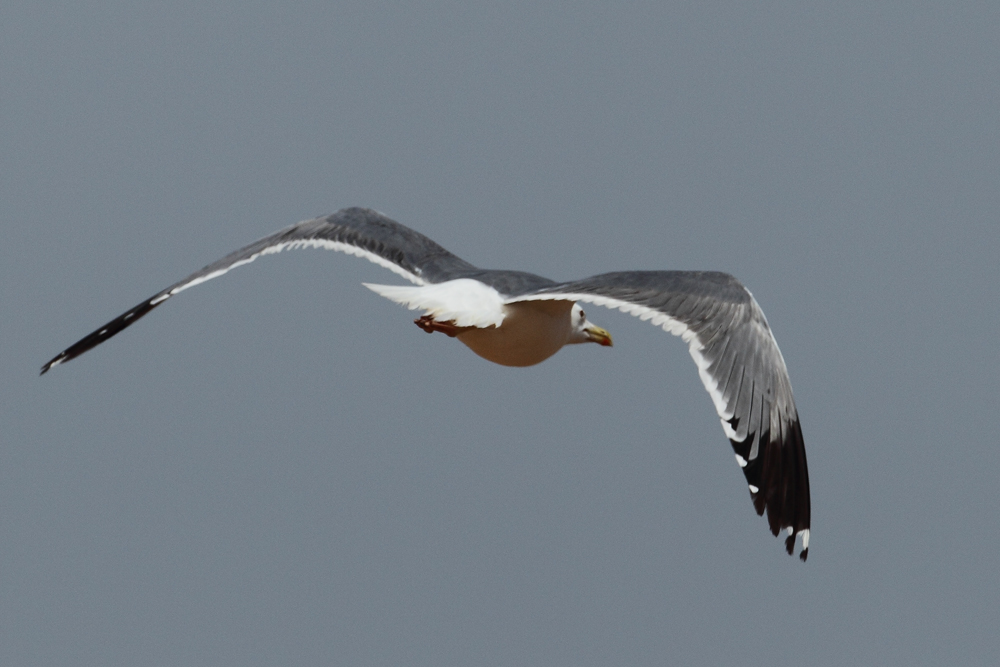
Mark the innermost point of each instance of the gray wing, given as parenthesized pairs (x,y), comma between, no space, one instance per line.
(356,231)
(741,367)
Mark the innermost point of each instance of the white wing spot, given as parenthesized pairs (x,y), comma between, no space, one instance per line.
(742,462)
(753,489)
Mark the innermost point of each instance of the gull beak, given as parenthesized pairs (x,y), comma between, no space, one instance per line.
(598,335)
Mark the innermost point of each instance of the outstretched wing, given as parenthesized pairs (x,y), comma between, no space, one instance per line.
(740,365)
(355,231)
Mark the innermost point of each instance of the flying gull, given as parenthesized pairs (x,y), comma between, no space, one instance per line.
(520,319)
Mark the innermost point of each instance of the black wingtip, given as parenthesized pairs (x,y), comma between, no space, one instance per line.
(55,361)
(778,477)
(95,338)
(790,547)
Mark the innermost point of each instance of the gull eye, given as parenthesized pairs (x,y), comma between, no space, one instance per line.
(583,315)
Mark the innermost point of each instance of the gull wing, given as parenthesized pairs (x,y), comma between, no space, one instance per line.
(355,231)
(740,365)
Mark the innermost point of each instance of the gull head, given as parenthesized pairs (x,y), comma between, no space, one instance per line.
(583,330)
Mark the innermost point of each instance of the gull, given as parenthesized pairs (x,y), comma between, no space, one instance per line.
(515,318)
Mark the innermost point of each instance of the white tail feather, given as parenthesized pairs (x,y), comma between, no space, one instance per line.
(466,302)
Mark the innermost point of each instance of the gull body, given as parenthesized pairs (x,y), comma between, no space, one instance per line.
(520,333)
(532,331)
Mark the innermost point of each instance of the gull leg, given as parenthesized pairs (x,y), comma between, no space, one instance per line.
(430,325)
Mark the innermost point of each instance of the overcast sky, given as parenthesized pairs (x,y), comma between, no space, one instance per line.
(279,468)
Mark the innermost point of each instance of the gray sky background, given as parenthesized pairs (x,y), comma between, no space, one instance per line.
(279,468)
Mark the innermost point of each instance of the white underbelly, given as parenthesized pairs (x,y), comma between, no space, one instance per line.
(531,332)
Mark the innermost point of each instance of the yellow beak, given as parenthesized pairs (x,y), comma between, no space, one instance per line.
(598,335)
